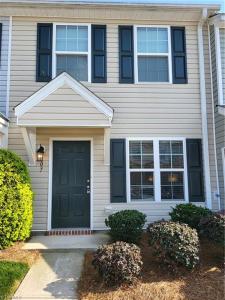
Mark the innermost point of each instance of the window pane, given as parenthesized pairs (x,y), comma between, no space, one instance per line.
(177,161)
(153,69)
(152,40)
(135,178)
(172,185)
(147,161)
(165,161)
(72,38)
(135,161)
(147,147)
(147,178)
(148,193)
(142,186)
(135,147)
(177,147)
(136,193)
(75,65)
(164,147)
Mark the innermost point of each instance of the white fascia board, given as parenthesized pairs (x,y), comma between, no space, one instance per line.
(214,4)
(56,83)
(218,20)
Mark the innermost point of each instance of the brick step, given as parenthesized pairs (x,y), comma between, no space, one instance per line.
(70,232)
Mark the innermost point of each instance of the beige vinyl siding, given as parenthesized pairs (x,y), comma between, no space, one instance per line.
(63,107)
(222,51)
(4,63)
(219,121)
(140,110)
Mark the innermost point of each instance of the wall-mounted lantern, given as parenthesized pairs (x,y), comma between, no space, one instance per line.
(40,156)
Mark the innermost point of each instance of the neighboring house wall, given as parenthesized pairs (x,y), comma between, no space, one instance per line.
(4,64)
(140,110)
(219,118)
(222,51)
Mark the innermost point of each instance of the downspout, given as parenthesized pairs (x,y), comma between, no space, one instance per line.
(213,117)
(9,66)
(204,110)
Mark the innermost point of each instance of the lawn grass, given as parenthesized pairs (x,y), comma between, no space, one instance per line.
(14,264)
(206,282)
(11,274)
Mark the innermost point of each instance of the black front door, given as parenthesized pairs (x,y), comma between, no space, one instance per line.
(71,184)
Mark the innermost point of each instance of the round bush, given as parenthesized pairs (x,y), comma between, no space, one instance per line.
(189,214)
(118,263)
(212,227)
(126,225)
(174,243)
(15,199)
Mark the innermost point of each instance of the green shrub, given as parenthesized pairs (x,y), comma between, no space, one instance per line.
(189,214)
(15,199)
(126,225)
(174,243)
(213,228)
(118,263)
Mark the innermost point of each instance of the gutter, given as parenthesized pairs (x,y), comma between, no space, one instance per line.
(213,117)
(208,194)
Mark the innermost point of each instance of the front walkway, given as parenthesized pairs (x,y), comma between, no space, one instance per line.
(67,242)
(55,275)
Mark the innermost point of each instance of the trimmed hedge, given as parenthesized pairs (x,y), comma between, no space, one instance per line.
(174,244)
(15,199)
(118,263)
(189,214)
(212,227)
(126,225)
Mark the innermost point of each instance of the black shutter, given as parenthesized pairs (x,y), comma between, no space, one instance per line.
(195,170)
(0,41)
(126,54)
(179,60)
(99,73)
(44,52)
(118,170)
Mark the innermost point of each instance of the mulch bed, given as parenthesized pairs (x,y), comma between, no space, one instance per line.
(17,254)
(206,282)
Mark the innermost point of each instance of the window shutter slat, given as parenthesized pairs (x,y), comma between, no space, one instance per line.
(195,170)
(179,60)
(99,73)
(126,54)
(118,170)
(44,52)
(0,41)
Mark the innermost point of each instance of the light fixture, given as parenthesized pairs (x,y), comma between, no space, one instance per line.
(40,156)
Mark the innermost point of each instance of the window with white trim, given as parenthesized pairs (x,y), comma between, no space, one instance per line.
(171,170)
(152,54)
(141,170)
(72,50)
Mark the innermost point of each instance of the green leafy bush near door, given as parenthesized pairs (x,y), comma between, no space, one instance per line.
(16,197)
(126,225)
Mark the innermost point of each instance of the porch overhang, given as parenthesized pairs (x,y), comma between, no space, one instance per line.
(63,102)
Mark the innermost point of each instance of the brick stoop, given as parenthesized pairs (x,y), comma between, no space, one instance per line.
(70,232)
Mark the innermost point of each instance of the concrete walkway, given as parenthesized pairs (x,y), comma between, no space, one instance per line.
(66,242)
(54,276)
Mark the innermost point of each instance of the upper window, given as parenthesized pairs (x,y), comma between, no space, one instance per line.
(153,54)
(72,50)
